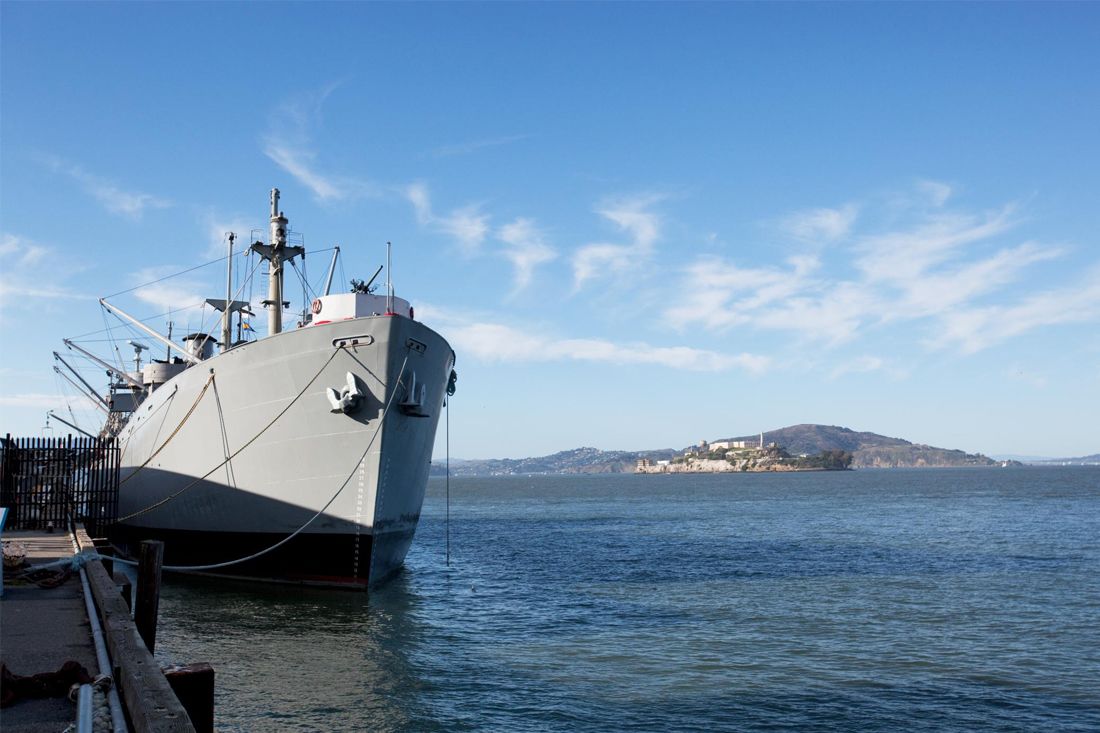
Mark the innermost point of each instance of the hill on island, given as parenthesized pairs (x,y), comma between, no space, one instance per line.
(578,460)
(869,450)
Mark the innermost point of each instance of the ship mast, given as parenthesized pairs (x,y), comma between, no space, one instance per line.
(227,313)
(276,253)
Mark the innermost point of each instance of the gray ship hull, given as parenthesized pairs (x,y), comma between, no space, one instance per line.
(243,451)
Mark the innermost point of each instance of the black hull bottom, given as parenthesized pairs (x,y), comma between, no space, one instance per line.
(342,560)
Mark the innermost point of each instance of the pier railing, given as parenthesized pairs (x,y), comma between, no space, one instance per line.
(53,482)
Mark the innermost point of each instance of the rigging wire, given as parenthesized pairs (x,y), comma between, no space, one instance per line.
(109,329)
(447,521)
(305,283)
(223,258)
(230,474)
(65,392)
(215,311)
(111,335)
(251,289)
(307,289)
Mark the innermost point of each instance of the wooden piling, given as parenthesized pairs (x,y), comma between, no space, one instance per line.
(194,686)
(147,604)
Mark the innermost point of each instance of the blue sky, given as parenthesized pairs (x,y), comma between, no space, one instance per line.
(639,225)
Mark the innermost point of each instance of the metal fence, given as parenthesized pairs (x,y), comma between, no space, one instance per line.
(52,482)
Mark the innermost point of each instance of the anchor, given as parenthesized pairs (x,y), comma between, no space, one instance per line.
(413,405)
(347,400)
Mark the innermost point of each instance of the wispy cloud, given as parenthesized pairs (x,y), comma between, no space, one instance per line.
(868,364)
(972,329)
(821,225)
(935,292)
(168,295)
(475,145)
(20,252)
(526,248)
(859,365)
(937,192)
(937,267)
(633,216)
(289,142)
(901,255)
(130,204)
(32,399)
(468,225)
(524,243)
(495,342)
(217,232)
(32,272)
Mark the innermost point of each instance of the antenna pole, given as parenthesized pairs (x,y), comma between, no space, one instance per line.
(227,314)
(389,278)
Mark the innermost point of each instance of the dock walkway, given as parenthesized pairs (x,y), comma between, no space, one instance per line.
(41,629)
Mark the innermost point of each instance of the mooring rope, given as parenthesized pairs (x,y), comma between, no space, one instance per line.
(186,417)
(230,475)
(165,403)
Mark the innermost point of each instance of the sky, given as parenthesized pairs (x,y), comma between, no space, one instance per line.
(638,225)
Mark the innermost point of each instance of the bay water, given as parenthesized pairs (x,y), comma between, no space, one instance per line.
(922,600)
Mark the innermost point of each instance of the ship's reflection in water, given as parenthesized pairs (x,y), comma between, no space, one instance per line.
(292,658)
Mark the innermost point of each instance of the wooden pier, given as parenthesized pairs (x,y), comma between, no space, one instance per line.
(41,628)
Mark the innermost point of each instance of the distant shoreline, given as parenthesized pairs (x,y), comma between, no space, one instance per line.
(793,444)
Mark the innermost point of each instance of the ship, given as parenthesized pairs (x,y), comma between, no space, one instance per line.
(301,456)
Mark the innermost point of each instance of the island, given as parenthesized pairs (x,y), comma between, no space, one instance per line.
(795,448)
(735,456)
